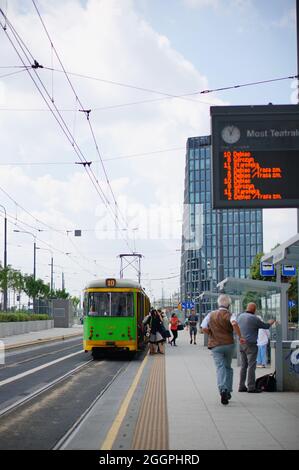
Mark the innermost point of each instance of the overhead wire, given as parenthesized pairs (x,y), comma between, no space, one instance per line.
(58,118)
(83,109)
(12,73)
(183,96)
(19,225)
(26,224)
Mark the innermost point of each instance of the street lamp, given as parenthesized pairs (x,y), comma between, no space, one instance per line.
(5,259)
(46,249)
(34,249)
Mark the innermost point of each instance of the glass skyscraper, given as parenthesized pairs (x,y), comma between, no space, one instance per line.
(216,243)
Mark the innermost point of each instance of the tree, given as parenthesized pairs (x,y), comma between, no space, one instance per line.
(4,274)
(75,301)
(35,288)
(16,281)
(59,294)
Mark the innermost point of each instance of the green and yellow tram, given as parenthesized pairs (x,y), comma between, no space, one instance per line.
(113,314)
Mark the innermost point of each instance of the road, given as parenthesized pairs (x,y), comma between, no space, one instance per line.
(45,389)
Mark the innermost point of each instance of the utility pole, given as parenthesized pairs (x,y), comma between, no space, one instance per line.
(34,259)
(52,277)
(5,259)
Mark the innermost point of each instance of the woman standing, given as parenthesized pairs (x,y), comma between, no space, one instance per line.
(262,343)
(156,339)
(174,323)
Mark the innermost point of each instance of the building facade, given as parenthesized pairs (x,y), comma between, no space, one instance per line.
(216,243)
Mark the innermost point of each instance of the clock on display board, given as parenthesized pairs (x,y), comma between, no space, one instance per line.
(230,134)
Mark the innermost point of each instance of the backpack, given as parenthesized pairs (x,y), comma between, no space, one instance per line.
(266,383)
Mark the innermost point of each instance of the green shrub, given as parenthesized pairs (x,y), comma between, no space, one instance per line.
(22,316)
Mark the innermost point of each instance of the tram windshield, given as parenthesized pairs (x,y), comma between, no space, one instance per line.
(110,304)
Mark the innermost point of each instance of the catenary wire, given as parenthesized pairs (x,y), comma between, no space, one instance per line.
(84,109)
(62,124)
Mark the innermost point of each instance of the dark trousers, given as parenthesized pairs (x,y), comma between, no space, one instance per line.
(175,335)
(248,365)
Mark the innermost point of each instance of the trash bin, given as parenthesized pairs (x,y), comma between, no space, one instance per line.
(290,364)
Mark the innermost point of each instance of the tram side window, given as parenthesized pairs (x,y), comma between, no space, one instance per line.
(122,304)
(99,304)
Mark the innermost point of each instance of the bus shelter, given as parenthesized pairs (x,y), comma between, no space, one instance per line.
(271,299)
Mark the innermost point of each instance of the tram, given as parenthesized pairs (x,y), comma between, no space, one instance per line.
(113,314)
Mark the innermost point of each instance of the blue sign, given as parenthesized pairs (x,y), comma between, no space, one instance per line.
(187,305)
(292,303)
(288,270)
(267,269)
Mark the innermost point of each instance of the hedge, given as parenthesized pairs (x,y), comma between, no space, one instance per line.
(12,317)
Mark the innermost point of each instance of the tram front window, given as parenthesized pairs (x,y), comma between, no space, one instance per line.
(115,304)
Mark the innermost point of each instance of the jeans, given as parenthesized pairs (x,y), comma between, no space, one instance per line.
(223,358)
(248,365)
(262,355)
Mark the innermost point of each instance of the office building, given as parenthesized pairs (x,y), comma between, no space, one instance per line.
(216,243)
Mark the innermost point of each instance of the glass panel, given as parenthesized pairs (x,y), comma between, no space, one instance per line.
(116,304)
(122,304)
(99,304)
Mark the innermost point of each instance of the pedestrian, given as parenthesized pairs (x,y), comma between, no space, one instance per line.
(165,322)
(192,321)
(262,344)
(156,340)
(249,325)
(220,326)
(174,323)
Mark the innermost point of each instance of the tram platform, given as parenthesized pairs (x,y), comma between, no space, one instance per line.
(171,402)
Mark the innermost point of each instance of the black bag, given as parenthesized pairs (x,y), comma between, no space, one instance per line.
(180,327)
(266,383)
(162,330)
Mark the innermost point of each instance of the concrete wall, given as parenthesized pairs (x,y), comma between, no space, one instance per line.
(21,327)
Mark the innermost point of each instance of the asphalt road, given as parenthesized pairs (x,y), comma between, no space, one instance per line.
(41,422)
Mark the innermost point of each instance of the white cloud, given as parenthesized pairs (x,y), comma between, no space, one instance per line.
(202,3)
(106,39)
(279,226)
(287,20)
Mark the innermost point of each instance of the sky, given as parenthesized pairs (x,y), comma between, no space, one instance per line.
(137,54)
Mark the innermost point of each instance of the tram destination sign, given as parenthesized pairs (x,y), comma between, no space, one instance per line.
(255,156)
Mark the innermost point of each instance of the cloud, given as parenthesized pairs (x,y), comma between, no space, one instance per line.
(202,3)
(287,20)
(109,40)
(275,232)
(219,4)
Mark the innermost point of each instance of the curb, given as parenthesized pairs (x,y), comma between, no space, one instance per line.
(41,340)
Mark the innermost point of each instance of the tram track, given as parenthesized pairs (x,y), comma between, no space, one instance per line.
(46,417)
(33,358)
(60,445)
(41,390)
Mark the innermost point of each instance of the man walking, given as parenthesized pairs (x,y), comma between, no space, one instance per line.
(220,326)
(249,325)
(192,321)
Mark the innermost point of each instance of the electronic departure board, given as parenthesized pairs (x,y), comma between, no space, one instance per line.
(255,156)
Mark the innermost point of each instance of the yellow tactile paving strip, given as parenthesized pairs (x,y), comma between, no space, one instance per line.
(151,432)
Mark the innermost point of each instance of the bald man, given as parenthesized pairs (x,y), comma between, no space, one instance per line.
(249,325)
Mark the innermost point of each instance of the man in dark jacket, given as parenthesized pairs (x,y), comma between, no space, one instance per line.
(249,325)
